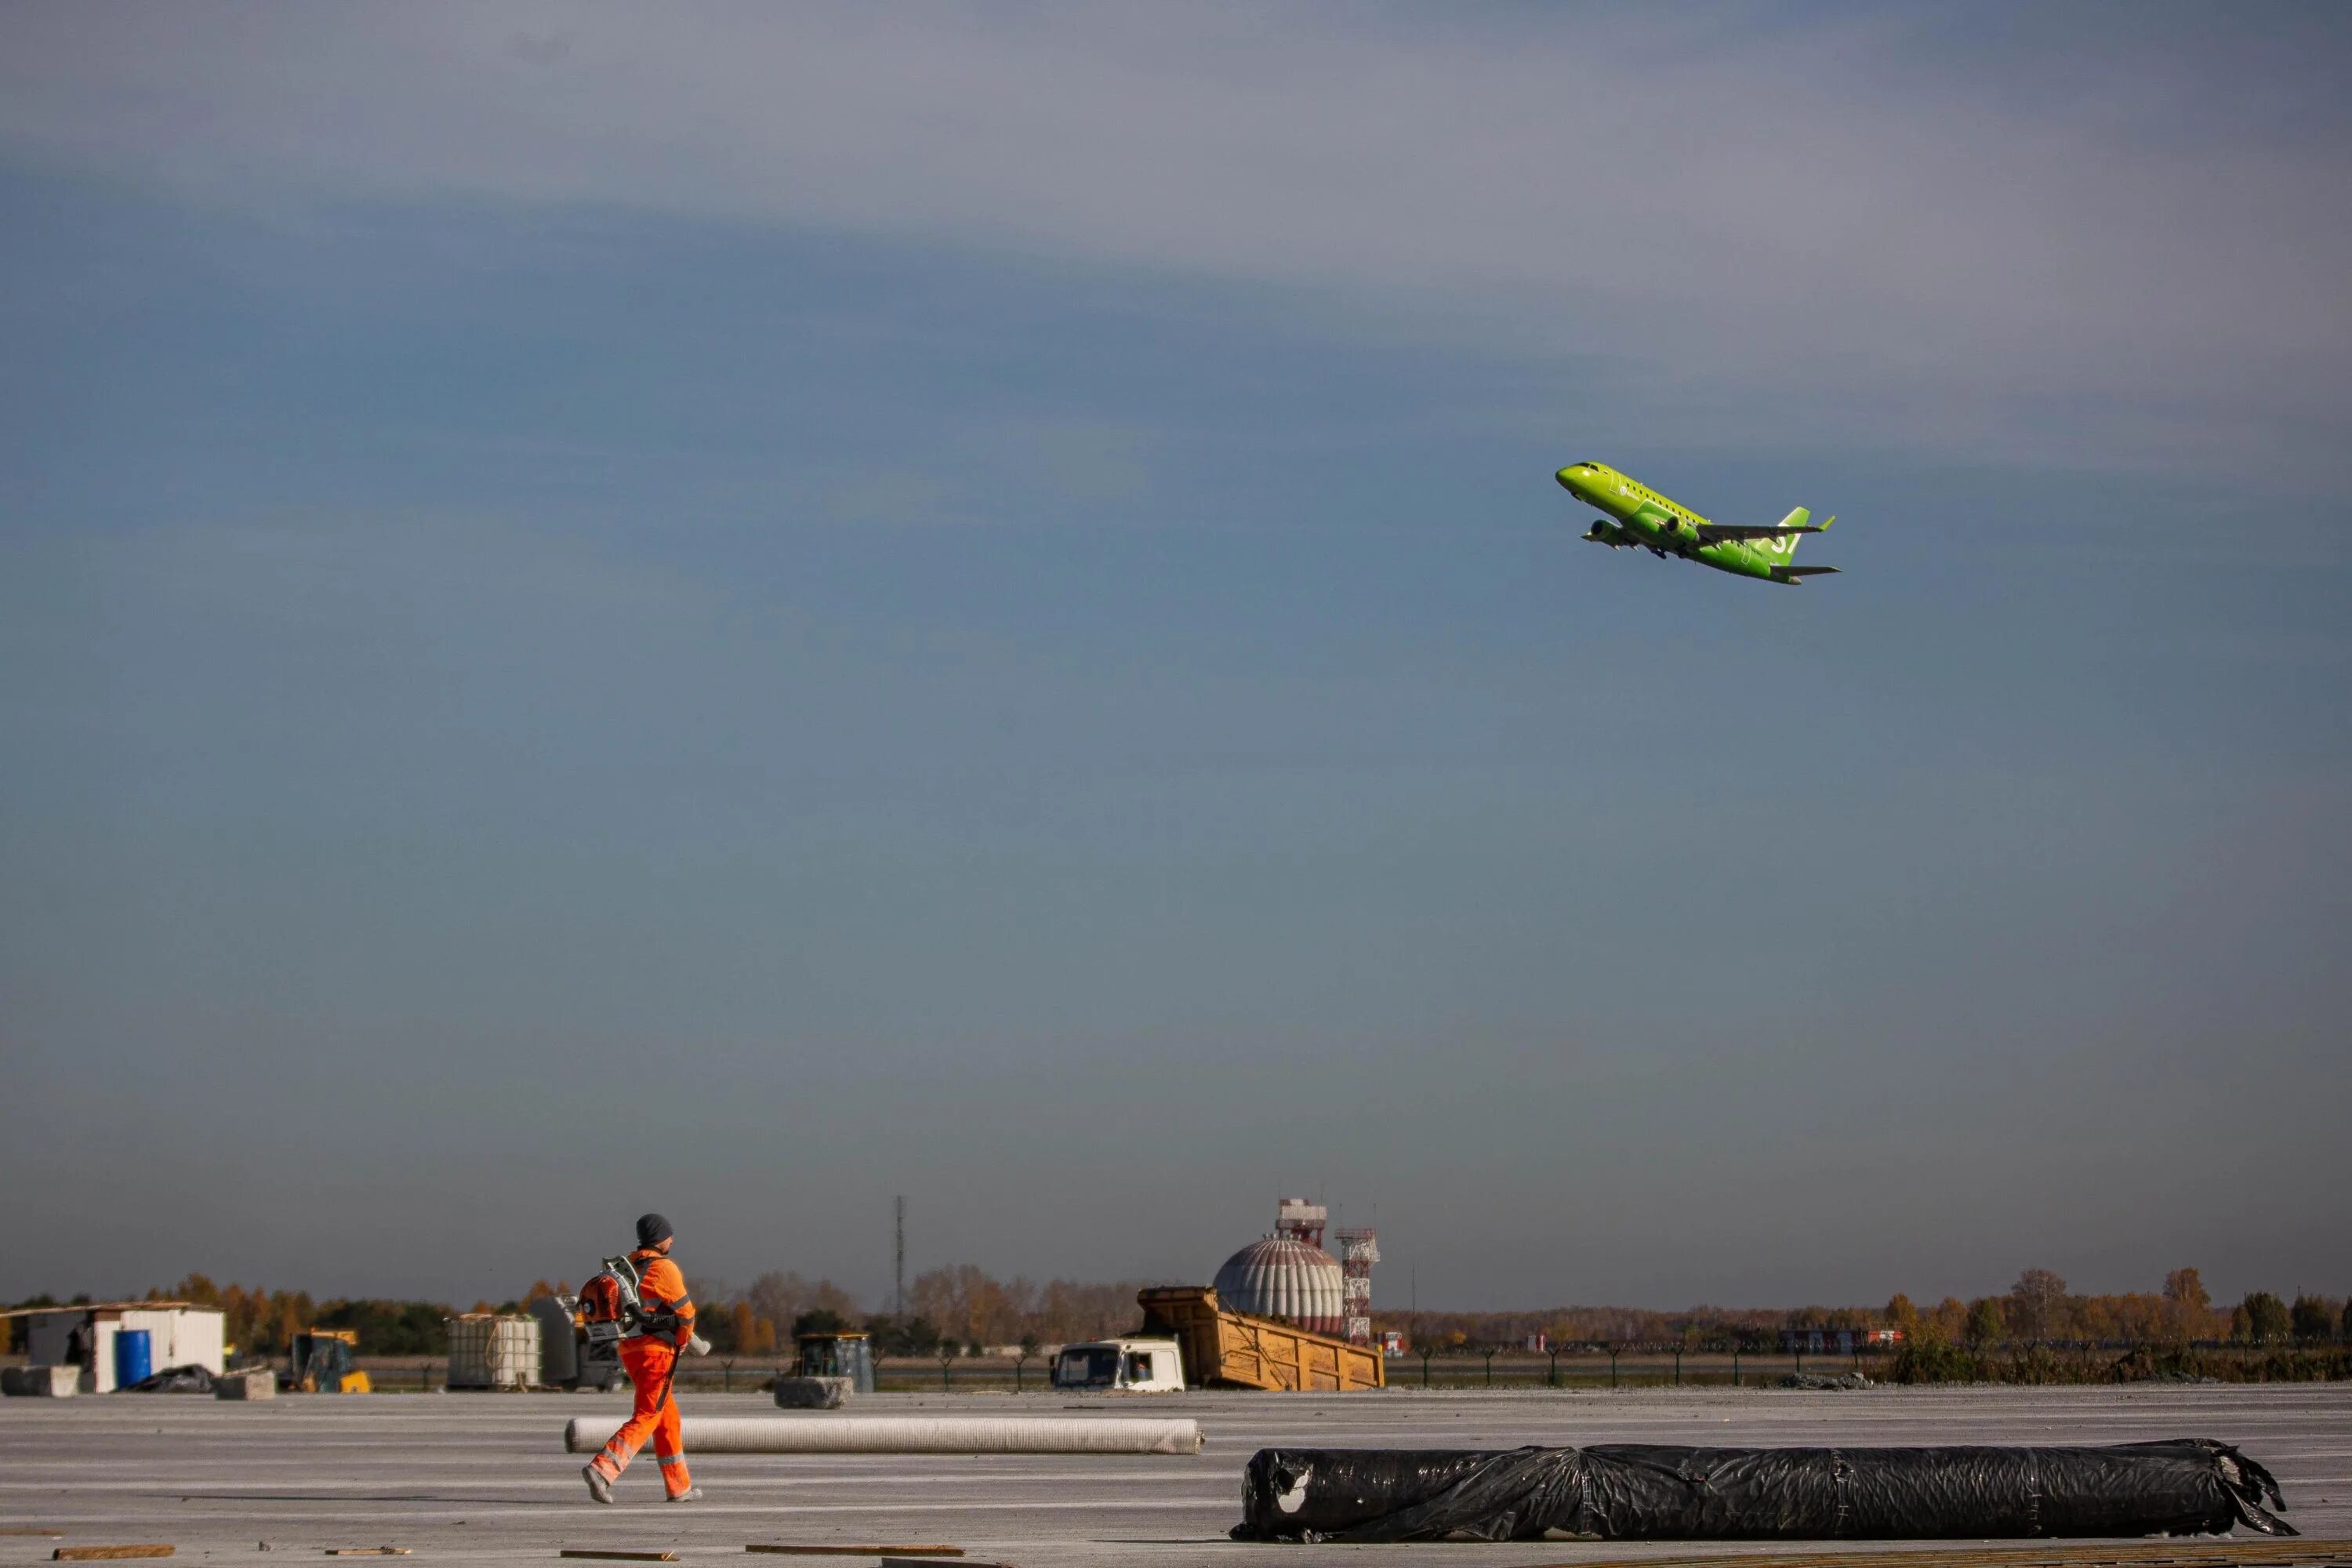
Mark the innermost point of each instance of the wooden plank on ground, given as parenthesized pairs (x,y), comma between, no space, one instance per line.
(831,1551)
(604,1556)
(106,1553)
(31,1530)
(2230,1551)
(367,1551)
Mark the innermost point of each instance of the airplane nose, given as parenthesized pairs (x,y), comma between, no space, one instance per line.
(1565,482)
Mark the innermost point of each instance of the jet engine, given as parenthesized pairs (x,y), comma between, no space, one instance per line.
(1603,531)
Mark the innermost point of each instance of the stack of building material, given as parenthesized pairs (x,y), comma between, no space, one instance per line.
(251,1383)
(41,1381)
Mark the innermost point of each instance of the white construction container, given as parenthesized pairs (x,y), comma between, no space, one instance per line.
(488,1350)
(181,1333)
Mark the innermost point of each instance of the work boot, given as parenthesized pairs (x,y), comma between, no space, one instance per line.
(598,1487)
(691,1494)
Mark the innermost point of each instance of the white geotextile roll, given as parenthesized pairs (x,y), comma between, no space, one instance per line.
(910,1435)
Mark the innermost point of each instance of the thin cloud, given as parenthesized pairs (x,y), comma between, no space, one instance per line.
(1860,220)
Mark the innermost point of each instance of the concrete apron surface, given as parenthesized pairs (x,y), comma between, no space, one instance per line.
(483,1478)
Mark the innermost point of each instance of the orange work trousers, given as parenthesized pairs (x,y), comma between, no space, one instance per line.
(649,1362)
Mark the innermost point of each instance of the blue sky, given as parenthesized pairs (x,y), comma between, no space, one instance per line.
(970,602)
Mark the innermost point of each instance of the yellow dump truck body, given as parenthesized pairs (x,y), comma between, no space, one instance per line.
(1227,1348)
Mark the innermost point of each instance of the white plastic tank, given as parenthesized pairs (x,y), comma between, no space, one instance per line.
(1282,1276)
(488,1350)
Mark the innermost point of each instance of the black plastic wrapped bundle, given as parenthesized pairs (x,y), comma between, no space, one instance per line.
(1639,1491)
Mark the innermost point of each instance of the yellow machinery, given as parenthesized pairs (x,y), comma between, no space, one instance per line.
(319,1361)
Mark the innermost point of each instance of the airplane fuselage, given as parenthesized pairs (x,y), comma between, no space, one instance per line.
(1633,513)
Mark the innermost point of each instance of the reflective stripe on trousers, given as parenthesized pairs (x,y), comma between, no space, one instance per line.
(650,1364)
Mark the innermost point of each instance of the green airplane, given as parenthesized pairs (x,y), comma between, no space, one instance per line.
(1633,513)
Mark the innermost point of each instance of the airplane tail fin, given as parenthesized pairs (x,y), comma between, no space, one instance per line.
(1792,575)
(1785,545)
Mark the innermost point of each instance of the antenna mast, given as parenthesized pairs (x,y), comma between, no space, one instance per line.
(899,1258)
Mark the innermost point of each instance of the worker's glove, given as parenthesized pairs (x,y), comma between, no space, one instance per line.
(697,1345)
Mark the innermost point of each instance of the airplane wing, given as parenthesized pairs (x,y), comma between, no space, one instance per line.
(1716,532)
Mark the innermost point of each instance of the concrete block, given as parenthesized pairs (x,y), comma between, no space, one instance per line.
(259,1383)
(812,1393)
(41,1382)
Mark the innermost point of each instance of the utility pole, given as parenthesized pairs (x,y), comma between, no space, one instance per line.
(898,1258)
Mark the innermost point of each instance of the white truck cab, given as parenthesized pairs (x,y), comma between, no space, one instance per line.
(1126,1366)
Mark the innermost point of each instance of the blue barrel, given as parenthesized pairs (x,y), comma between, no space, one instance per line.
(134,1357)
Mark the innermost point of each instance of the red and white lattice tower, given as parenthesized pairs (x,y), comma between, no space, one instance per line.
(1358,1250)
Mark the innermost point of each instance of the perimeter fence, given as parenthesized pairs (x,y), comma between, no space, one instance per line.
(1588,1368)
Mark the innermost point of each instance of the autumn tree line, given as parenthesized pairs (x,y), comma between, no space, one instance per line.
(263,1322)
(2036,1330)
(2038,1333)
(2039,1309)
(961,1308)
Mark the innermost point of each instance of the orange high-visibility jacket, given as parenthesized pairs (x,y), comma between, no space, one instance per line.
(661,1286)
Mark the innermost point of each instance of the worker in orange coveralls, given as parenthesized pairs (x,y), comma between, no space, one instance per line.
(651,1353)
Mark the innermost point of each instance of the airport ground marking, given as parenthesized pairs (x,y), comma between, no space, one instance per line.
(830,1550)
